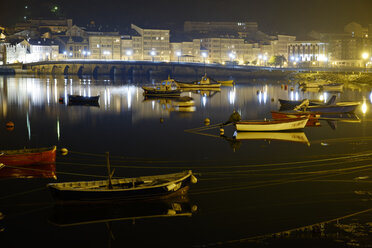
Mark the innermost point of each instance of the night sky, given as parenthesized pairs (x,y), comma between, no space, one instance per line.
(283,16)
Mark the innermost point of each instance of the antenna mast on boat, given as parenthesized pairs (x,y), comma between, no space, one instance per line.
(109,170)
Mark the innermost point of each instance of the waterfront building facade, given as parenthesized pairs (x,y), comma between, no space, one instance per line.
(220,27)
(280,46)
(224,50)
(308,53)
(106,47)
(154,44)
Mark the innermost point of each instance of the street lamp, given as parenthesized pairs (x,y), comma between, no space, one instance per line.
(204,55)
(365,56)
(129,53)
(264,59)
(178,54)
(232,58)
(152,53)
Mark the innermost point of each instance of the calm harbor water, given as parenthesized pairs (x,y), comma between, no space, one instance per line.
(309,188)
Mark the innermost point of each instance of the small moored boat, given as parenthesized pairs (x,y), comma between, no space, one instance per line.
(291,104)
(126,189)
(78,99)
(168,88)
(45,155)
(333,87)
(204,83)
(272,125)
(340,107)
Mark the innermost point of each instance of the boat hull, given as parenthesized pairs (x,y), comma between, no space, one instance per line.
(274,125)
(291,104)
(150,92)
(85,194)
(28,156)
(77,99)
(338,108)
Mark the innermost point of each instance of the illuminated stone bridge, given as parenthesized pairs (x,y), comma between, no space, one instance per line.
(143,68)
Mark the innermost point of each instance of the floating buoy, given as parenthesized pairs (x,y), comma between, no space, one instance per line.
(272,99)
(9,124)
(285,87)
(171,212)
(292,89)
(222,131)
(194,208)
(64,151)
(60,99)
(161,120)
(282,86)
(207,121)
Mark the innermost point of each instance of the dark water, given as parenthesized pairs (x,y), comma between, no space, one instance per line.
(251,192)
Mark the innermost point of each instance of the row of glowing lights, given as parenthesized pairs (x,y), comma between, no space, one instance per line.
(322,58)
(307,57)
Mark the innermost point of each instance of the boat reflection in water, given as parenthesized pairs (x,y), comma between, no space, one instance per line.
(178,104)
(332,119)
(2,228)
(34,171)
(344,117)
(81,214)
(281,136)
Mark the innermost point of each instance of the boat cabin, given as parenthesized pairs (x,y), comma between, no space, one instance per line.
(168,84)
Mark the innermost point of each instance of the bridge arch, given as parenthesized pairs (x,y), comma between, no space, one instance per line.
(113,71)
(95,71)
(55,70)
(65,71)
(80,71)
(149,72)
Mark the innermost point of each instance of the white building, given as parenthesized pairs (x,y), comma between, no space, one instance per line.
(311,53)
(153,43)
(222,50)
(105,47)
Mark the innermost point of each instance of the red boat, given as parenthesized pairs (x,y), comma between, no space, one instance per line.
(35,171)
(32,156)
(293,114)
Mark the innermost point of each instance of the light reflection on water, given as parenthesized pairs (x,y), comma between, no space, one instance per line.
(247,188)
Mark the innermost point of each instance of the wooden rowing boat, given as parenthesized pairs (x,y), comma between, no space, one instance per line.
(32,156)
(272,125)
(123,189)
(81,100)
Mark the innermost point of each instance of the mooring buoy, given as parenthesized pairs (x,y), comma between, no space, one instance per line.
(64,151)
(207,121)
